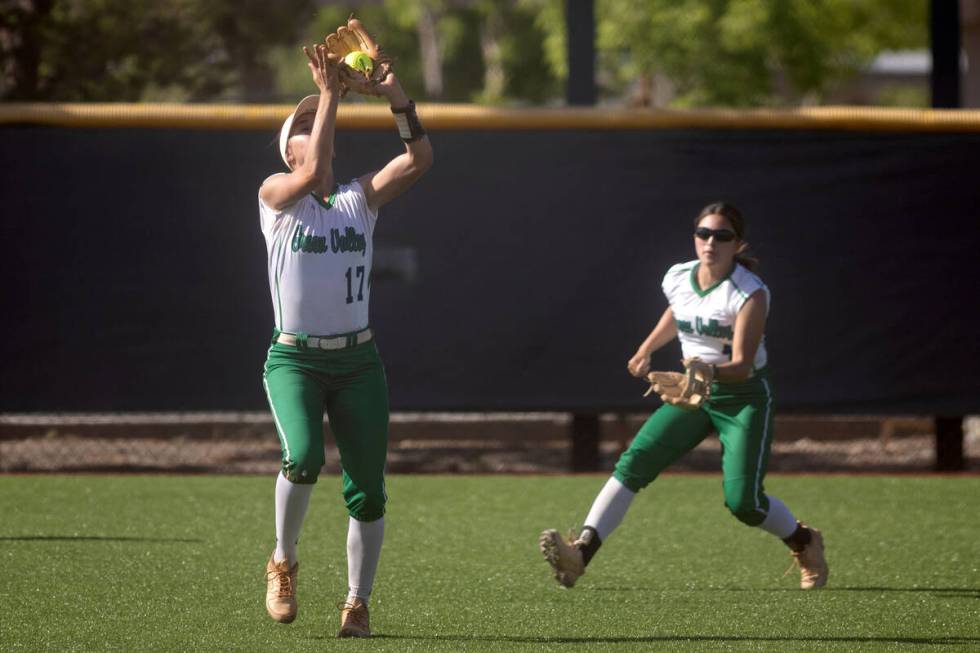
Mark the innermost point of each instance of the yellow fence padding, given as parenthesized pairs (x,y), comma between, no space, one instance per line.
(473,117)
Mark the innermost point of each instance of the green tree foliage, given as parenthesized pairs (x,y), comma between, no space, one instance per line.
(242,33)
(128,50)
(705,52)
(738,52)
(488,51)
(294,78)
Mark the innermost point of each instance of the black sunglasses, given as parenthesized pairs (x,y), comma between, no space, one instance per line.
(721,235)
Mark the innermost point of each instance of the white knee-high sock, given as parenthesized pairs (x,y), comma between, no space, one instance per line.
(609,507)
(780,521)
(364,540)
(292,500)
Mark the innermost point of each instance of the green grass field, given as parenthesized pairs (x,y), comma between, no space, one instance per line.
(130,563)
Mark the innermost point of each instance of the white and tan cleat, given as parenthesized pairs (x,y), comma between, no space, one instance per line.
(812,563)
(354,621)
(563,555)
(280,591)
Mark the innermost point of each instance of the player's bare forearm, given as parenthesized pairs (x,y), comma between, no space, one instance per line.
(664,332)
(419,150)
(734,371)
(317,166)
(418,157)
(399,175)
(319,163)
(392,90)
(405,169)
(316,172)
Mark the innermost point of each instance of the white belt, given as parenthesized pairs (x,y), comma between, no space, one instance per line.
(335,342)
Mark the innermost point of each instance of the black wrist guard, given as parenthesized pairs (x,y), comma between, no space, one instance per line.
(409,127)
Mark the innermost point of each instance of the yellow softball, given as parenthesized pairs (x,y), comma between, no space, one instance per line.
(360,61)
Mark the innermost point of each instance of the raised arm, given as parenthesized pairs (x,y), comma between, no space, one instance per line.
(664,332)
(750,324)
(312,165)
(382,186)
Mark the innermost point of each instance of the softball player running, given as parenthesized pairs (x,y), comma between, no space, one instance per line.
(718,310)
(323,355)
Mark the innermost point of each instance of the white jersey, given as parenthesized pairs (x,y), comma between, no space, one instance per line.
(319,256)
(705,319)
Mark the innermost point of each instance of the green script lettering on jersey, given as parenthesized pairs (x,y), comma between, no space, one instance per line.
(685,326)
(308,242)
(712,329)
(349,241)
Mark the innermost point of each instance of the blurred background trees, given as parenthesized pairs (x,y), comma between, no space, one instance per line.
(680,53)
(133,50)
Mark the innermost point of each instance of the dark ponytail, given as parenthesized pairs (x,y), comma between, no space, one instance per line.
(734,217)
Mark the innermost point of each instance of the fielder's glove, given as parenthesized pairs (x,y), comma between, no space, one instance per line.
(688,390)
(355,73)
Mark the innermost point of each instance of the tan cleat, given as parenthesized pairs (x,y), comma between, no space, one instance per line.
(564,556)
(354,619)
(280,592)
(812,563)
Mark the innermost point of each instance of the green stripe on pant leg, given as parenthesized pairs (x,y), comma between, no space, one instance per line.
(357,409)
(744,417)
(668,434)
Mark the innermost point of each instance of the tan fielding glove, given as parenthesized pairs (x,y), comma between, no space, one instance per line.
(356,73)
(688,390)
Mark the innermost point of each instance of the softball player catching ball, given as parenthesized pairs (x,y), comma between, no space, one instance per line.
(718,310)
(323,355)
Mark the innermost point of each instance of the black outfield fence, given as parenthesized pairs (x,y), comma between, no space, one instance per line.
(520,274)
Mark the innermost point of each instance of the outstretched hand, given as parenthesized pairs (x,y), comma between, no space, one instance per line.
(379,84)
(639,365)
(389,87)
(325,68)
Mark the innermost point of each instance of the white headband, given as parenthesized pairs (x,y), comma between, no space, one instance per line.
(306,105)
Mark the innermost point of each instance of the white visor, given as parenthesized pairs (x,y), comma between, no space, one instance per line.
(306,105)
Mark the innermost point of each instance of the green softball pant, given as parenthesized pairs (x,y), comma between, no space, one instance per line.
(350,385)
(742,414)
